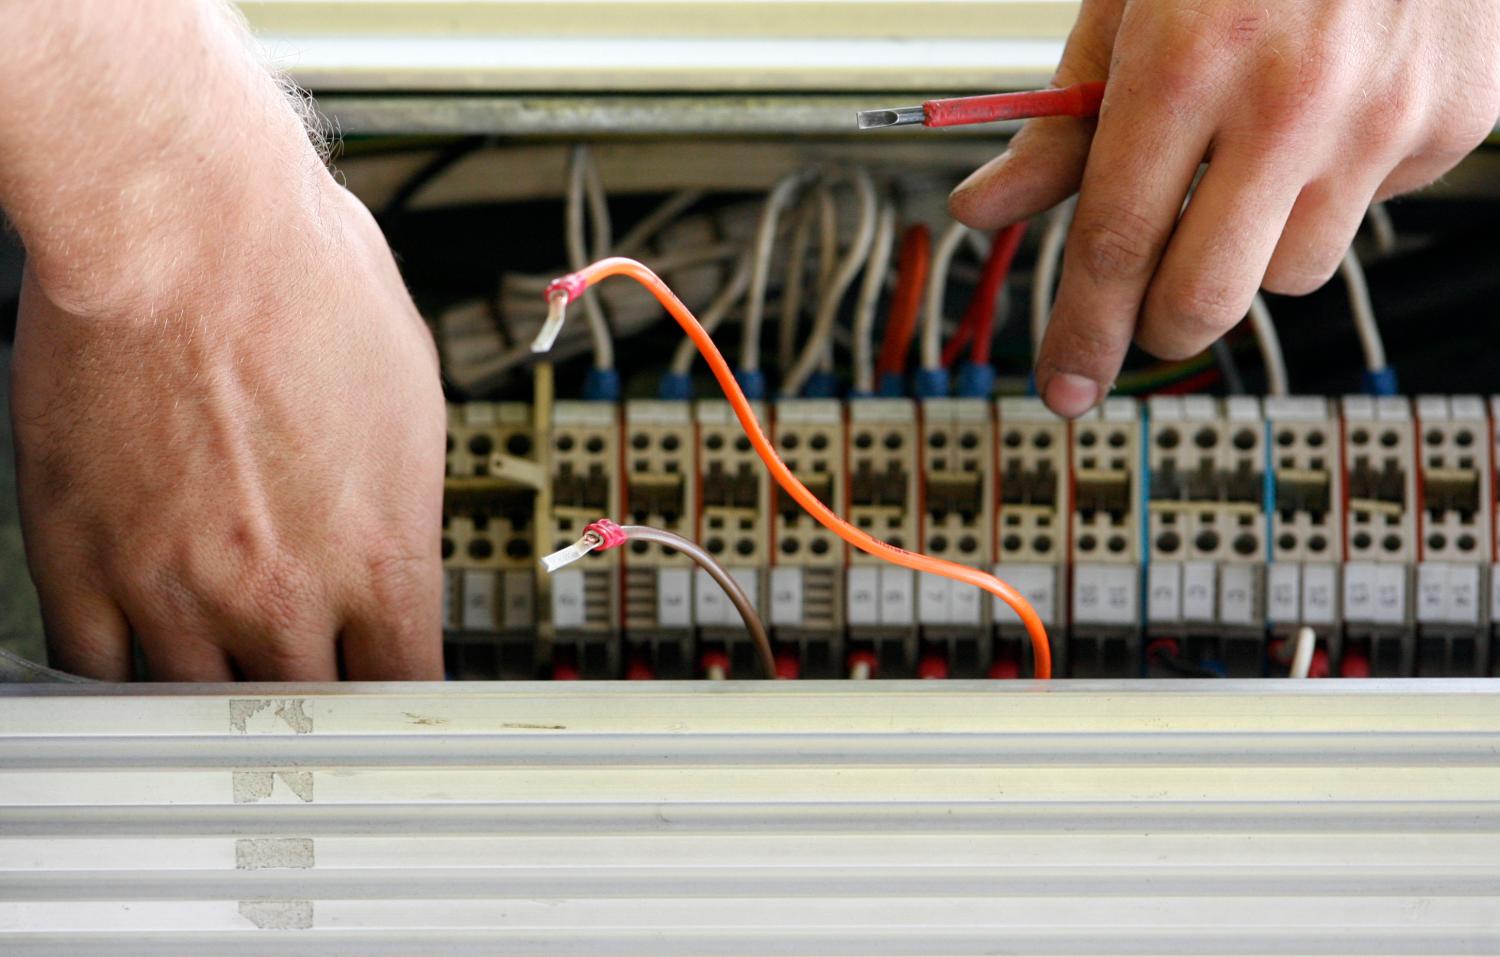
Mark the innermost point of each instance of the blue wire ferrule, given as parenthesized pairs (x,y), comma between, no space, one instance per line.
(1381,381)
(975,381)
(821,385)
(1031,385)
(892,385)
(932,383)
(752,383)
(675,385)
(602,385)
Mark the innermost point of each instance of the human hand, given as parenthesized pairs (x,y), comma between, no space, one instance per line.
(1306,112)
(245,474)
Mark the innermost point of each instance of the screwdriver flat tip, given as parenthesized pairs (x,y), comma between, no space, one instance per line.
(900,116)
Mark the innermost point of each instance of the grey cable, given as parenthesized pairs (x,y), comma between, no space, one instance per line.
(1224,356)
(732,589)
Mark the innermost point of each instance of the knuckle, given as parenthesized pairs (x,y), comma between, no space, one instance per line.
(1116,246)
(1299,277)
(1202,309)
(276,595)
(398,585)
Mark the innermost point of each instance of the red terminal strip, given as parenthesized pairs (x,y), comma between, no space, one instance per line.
(639,669)
(788,668)
(1319,666)
(932,667)
(1356,664)
(1005,669)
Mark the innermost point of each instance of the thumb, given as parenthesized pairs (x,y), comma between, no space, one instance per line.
(1044,163)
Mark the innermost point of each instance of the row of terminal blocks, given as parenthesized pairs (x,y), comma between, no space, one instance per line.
(1177,535)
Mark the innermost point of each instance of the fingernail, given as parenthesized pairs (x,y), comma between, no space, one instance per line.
(1071,395)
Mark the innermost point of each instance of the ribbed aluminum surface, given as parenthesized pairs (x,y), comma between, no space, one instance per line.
(752,819)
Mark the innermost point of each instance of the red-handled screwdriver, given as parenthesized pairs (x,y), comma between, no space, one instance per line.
(1080,100)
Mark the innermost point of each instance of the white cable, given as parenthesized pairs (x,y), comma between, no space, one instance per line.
(765,239)
(653,222)
(821,335)
(714,313)
(583,178)
(817,206)
(1303,655)
(531,287)
(1269,342)
(1383,228)
(1364,312)
(1048,258)
(937,282)
(869,296)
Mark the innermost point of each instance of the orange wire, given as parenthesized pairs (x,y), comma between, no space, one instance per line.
(906,302)
(574,284)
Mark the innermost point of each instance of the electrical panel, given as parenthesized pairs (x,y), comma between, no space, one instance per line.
(1179,535)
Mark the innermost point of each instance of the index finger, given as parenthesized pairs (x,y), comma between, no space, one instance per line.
(1155,126)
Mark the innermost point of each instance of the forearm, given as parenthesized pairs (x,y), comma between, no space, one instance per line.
(135,140)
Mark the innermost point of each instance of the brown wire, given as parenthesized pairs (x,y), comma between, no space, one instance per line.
(736,594)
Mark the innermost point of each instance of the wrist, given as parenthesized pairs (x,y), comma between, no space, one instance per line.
(130,184)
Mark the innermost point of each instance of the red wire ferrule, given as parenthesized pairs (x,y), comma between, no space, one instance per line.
(610,534)
(572,285)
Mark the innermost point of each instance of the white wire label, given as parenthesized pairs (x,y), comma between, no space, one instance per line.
(479,601)
(786,596)
(1105,595)
(862,595)
(674,597)
(568,607)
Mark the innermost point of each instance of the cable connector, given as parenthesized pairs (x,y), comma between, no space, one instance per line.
(1381,381)
(559,293)
(598,536)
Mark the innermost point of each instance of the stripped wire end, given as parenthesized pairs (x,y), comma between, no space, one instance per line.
(559,293)
(597,536)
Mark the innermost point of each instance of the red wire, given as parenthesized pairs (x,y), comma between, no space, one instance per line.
(571,286)
(906,302)
(978,323)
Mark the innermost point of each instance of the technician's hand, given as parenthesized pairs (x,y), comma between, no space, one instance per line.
(1306,111)
(247,477)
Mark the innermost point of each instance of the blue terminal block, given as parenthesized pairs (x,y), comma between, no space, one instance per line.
(602,385)
(975,381)
(932,383)
(752,382)
(821,385)
(1381,381)
(675,385)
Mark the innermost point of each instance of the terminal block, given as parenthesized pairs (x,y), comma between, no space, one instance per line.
(1207,530)
(957,456)
(1031,521)
(1380,540)
(661,488)
(1306,519)
(880,598)
(585,477)
(1106,549)
(488,545)
(805,590)
(1455,474)
(734,492)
